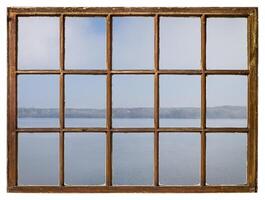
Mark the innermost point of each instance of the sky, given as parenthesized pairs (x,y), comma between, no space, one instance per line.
(227,47)
(85,48)
(38,42)
(133,43)
(180,43)
(85,43)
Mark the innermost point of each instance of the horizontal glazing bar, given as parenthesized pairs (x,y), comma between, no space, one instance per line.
(38,72)
(191,72)
(132,71)
(38,130)
(181,129)
(227,129)
(233,72)
(128,130)
(140,130)
(172,71)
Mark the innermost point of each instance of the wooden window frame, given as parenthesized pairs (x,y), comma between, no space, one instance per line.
(252,72)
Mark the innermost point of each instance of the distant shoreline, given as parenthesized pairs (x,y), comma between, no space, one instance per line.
(218,112)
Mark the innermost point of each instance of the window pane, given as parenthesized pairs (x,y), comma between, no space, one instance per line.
(38,42)
(180,101)
(133,43)
(226,43)
(84,158)
(180,43)
(133,159)
(85,42)
(226,158)
(132,101)
(38,159)
(226,101)
(179,158)
(85,100)
(38,100)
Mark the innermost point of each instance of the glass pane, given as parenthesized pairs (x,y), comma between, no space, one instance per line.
(38,100)
(133,159)
(180,101)
(179,158)
(180,43)
(38,42)
(226,156)
(133,43)
(38,159)
(226,101)
(133,97)
(84,158)
(85,100)
(85,42)
(226,43)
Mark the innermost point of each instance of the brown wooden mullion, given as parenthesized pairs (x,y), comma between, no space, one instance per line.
(203,100)
(156,101)
(109,102)
(62,97)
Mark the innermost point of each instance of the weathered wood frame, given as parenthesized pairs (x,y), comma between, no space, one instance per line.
(252,72)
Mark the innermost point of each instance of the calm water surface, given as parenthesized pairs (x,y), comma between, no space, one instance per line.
(38,154)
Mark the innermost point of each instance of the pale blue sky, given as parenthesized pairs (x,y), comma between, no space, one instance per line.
(38,42)
(85,43)
(133,43)
(38,47)
(227,43)
(180,43)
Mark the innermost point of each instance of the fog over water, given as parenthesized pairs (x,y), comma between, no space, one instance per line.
(38,157)
(133,48)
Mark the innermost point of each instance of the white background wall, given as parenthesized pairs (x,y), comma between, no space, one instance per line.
(131,3)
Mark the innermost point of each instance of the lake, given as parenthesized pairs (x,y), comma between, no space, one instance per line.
(38,154)
(128,122)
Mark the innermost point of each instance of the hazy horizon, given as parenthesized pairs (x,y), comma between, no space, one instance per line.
(85,46)
(38,154)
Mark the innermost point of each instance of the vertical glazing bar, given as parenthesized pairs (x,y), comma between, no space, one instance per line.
(62,50)
(252,99)
(203,100)
(109,103)
(156,101)
(12,100)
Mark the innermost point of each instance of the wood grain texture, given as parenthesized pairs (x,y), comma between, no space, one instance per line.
(253,98)
(156,101)
(62,99)
(131,189)
(109,103)
(177,11)
(203,100)
(12,101)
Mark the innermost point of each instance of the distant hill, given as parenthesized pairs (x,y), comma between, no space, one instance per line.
(232,112)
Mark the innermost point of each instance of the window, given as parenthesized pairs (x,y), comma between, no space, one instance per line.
(132,99)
